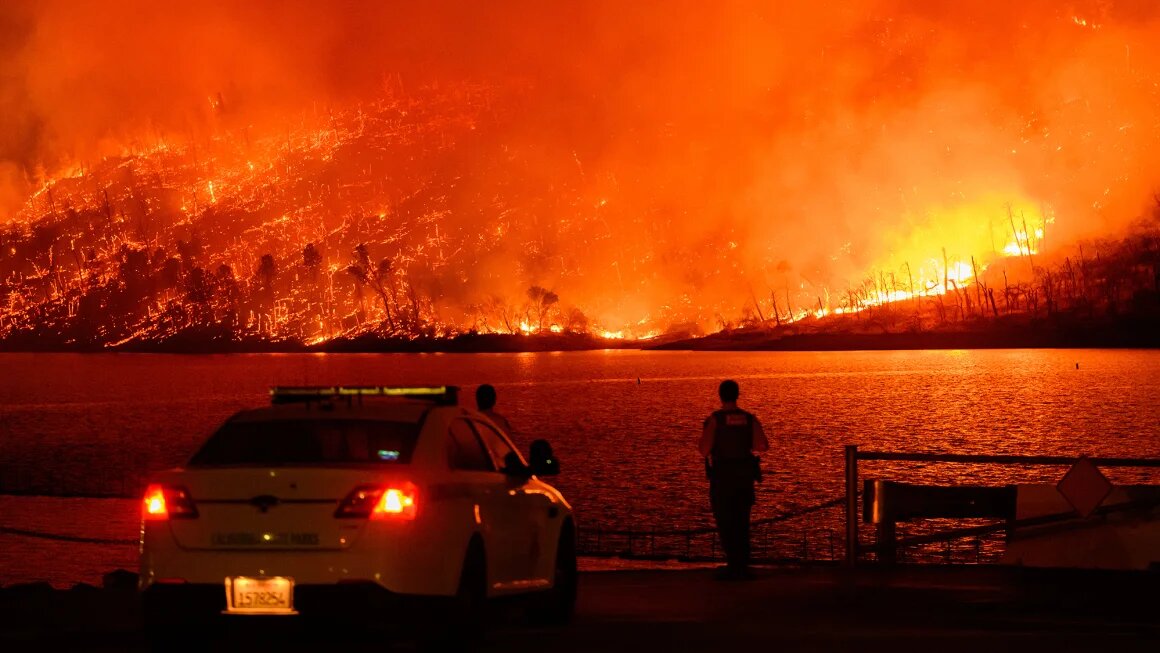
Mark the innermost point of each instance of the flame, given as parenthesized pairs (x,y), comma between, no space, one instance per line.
(745,185)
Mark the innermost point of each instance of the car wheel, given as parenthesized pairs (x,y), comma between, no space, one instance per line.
(167,629)
(462,625)
(177,638)
(560,601)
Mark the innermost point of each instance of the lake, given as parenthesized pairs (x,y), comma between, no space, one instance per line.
(624,424)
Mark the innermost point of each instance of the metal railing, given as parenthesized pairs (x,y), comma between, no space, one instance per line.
(687,545)
(701,545)
(853,455)
(75,539)
(820,541)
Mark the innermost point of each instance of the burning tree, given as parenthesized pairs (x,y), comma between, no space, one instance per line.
(379,277)
(644,214)
(542,301)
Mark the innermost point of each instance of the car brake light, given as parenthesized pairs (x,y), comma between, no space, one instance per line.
(167,502)
(395,501)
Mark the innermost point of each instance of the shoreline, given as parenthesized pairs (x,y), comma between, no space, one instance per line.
(463,344)
(1145,336)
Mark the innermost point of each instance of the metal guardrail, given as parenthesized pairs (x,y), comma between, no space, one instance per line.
(638,544)
(700,544)
(998,459)
(59,537)
(1041,520)
(853,455)
(692,544)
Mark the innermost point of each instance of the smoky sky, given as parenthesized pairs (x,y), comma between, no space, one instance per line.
(826,139)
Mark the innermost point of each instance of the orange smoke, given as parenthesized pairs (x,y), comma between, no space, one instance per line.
(650,163)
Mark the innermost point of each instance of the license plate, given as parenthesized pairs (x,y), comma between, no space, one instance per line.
(260,595)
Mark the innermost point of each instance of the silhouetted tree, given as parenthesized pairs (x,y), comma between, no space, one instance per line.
(227,295)
(133,272)
(379,278)
(170,274)
(423,288)
(190,251)
(312,260)
(542,300)
(494,305)
(199,288)
(577,321)
(267,272)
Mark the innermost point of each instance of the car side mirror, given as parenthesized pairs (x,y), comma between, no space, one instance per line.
(542,461)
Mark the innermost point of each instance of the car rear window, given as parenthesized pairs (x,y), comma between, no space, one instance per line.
(319,441)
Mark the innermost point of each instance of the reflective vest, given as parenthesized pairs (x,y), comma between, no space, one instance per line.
(732,437)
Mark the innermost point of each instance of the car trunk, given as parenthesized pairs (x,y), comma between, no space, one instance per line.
(270,508)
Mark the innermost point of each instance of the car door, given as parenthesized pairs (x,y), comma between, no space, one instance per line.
(532,512)
(478,480)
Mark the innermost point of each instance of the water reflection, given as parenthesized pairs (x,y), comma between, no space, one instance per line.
(97,423)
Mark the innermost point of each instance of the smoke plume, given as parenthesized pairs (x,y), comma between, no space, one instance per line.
(711,152)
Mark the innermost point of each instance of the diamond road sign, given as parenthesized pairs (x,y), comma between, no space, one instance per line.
(1084,486)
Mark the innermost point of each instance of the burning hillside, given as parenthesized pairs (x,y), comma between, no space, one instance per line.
(296,173)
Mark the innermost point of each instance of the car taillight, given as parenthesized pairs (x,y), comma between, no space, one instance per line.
(167,502)
(392,501)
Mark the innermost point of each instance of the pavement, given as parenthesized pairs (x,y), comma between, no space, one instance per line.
(919,608)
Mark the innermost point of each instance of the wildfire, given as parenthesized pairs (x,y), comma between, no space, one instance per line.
(746,184)
(1024,243)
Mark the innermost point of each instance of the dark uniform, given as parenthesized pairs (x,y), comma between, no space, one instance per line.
(732,474)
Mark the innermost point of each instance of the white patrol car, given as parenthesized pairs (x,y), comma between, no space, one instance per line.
(360,503)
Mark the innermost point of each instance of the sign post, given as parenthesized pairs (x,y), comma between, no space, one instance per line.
(1084,486)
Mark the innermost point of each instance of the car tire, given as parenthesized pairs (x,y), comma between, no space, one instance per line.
(461,626)
(167,629)
(559,603)
(177,637)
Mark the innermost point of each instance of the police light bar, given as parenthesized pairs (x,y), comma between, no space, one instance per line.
(442,394)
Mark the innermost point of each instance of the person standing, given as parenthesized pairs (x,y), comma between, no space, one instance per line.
(729,440)
(485,400)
